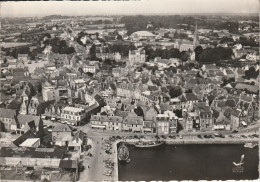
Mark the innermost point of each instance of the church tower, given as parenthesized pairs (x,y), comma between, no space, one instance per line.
(196,38)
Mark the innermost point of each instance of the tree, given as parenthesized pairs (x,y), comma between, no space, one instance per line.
(92,52)
(119,37)
(198,51)
(175,92)
(251,73)
(81,70)
(178,113)
(214,55)
(188,91)
(89,74)
(185,57)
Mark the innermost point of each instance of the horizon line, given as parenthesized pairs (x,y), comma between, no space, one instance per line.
(137,14)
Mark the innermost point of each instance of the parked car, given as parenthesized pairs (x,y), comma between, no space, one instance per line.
(243,136)
(234,131)
(211,136)
(255,135)
(172,136)
(163,136)
(180,136)
(199,136)
(250,136)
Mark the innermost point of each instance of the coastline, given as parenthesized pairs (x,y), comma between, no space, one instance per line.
(200,141)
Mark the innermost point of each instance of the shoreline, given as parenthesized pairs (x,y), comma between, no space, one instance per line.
(199,141)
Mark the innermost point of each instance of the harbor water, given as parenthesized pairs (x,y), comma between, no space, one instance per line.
(190,162)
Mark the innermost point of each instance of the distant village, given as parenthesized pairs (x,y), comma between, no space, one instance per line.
(66,74)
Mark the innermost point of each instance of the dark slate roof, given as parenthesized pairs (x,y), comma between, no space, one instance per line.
(246,98)
(165,106)
(78,135)
(33,152)
(42,106)
(191,97)
(14,104)
(61,127)
(69,164)
(7,113)
(215,113)
(25,136)
(236,113)
(183,99)
(22,119)
(121,113)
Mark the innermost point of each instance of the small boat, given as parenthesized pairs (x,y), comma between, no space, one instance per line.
(123,153)
(148,144)
(241,161)
(250,145)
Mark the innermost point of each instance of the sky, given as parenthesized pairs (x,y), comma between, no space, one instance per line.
(42,8)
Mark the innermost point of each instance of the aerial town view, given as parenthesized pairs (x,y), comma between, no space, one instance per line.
(129,91)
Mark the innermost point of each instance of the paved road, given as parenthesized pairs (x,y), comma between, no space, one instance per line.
(96,162)
(97,132)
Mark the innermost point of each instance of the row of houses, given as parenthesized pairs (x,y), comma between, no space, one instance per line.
(152,122)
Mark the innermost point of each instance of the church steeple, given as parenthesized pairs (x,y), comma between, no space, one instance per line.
(196,37)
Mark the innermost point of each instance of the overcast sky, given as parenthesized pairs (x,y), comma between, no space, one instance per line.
(127,7)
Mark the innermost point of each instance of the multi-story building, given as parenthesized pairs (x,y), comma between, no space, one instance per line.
(163,124)
(7,117)
(50,93)
(191,121)
(90,69)
(61,135)
(136,57)
(73,115)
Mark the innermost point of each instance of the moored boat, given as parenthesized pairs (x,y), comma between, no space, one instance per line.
(148,144)
(123,153)
(250,145)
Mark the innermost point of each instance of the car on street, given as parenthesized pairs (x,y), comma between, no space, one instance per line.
(172,136)
(163,136)
(180,136)
(255,135)
(250,136)
(243,136)
(234,131)
(199,136)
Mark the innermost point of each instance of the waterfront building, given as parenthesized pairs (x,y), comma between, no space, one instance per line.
(73,115)
(163,125)
(205,117)
(190,121)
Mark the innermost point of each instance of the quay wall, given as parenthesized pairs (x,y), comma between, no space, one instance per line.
(213,141)
(199,141)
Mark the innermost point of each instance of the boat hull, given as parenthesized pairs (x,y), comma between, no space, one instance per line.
(148,145)
(123,153)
